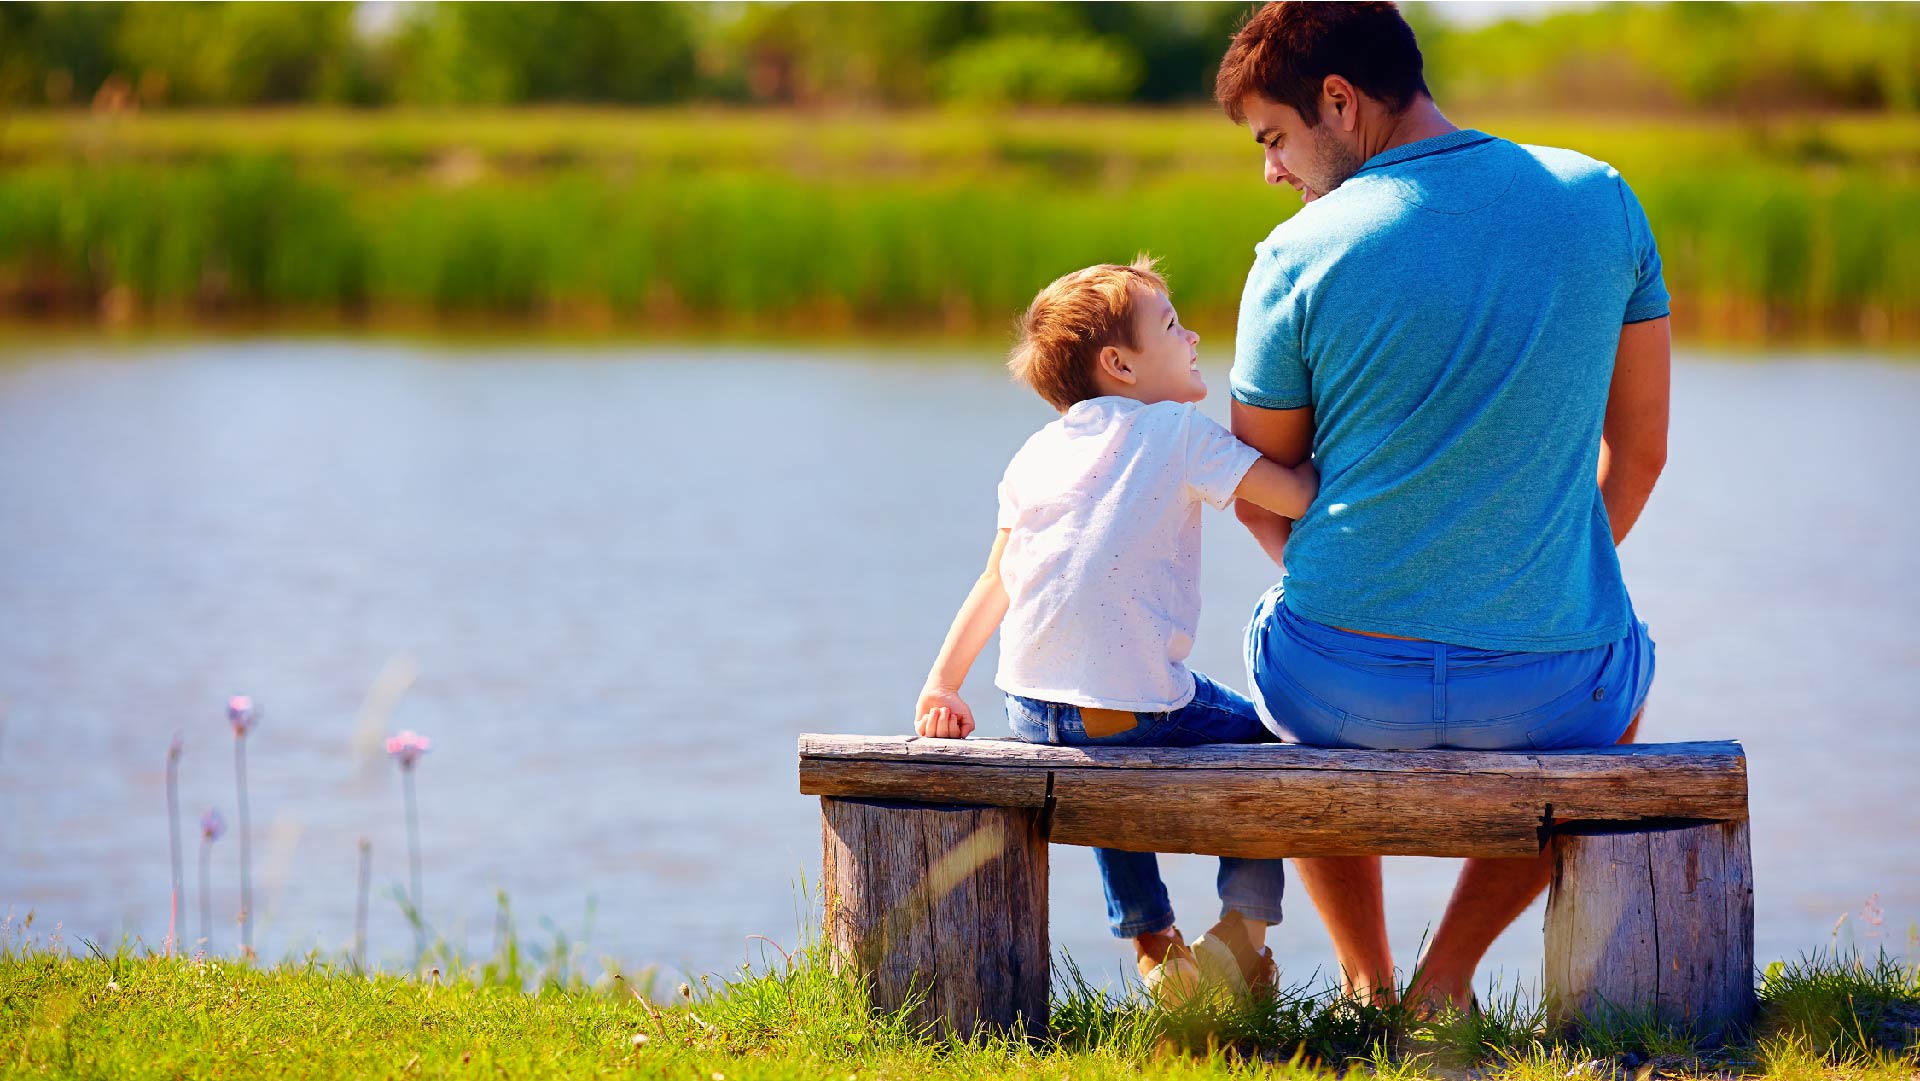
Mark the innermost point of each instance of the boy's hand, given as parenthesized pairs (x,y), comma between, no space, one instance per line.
(941,714)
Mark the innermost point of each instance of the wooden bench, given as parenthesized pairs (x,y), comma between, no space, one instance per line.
(935,854)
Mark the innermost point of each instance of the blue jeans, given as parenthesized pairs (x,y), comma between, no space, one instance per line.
(1136,897)
(1325,687)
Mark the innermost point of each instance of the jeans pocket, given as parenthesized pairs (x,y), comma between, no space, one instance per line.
(1594,714)
(1149,730)
(1299,715)
(1105,723)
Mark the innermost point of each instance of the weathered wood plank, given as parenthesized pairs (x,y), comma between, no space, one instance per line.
(1267,800)
(950,902)
(990,786)
(1255,814)
(1724,755)
(1658,921)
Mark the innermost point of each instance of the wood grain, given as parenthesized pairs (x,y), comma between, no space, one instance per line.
(1266,800)
(948,902)
(1725,754)
(1658,921)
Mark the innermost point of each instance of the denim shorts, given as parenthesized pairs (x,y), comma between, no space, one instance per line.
(1326,687)
(1217,714)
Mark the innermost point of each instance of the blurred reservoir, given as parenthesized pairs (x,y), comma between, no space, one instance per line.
(628,579)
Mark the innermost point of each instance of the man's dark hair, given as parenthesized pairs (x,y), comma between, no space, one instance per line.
(1285,52)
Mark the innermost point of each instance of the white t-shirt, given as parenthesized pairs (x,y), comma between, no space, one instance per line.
(1102,562)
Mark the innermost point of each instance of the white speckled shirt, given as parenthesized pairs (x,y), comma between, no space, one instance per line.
(1102,563)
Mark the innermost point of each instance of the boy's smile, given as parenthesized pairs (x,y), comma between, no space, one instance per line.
(1166,363)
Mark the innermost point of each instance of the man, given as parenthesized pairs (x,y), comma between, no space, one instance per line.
(1470,337)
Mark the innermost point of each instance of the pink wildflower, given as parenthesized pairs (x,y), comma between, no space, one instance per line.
(242,714)
(407,747)
(212,825)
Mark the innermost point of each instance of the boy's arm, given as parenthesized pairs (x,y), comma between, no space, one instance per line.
(940,711)
(1286,436)
(1284,490)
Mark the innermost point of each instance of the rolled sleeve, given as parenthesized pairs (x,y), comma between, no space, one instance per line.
(1269,367)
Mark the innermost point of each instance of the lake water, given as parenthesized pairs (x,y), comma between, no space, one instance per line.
(627,580)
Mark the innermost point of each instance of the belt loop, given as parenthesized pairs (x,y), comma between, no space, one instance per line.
(1439,682)
(1053,724)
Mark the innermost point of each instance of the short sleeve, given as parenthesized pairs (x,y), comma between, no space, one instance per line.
(1009,514)
(1649,299)
(1269,369)
(1215,461)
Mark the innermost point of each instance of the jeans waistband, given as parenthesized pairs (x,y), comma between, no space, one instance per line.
(1367,651)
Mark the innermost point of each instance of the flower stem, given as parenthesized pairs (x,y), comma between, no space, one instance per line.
(173,845)
(360,906)
(206,897)
(246,870)
(413,865)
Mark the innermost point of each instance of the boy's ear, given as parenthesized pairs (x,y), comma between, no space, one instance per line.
(1115,367)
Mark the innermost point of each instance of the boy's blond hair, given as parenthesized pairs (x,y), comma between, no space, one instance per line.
(1071,320)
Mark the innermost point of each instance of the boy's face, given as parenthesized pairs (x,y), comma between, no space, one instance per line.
(1166,364)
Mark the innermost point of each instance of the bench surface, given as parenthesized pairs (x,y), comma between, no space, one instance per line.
(1270,799)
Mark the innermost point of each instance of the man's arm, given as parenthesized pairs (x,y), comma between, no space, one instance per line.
(1633,441)
(1286,436)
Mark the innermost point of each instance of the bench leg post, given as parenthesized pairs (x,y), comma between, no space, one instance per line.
(943,901)
(1656,922)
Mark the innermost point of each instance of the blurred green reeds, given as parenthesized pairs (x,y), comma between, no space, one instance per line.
(678,220)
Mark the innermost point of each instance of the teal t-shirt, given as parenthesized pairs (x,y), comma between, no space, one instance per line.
(1451,314)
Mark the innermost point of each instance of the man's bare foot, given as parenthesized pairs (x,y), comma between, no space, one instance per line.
(1369,991)
(1434,994)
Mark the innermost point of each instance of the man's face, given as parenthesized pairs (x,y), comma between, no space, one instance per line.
(1312,160)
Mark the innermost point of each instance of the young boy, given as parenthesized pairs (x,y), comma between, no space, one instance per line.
(1096,570)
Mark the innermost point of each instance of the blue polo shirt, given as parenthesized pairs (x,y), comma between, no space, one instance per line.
(1451,314)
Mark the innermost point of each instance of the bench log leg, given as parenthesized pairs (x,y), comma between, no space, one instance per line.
(1658,922)
(942,900)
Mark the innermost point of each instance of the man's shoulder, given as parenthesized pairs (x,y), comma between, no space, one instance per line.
(1327,228)
(1570,167)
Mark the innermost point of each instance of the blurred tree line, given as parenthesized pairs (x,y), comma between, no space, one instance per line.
(1715,56)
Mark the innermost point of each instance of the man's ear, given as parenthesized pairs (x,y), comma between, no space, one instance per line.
(1340,98)
(1115,367)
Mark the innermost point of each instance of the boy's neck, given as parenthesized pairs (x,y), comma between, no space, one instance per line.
(1133,395)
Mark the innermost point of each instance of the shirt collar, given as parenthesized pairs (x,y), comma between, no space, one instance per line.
(1439,144)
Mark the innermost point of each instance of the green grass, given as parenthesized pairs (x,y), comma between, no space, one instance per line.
(939,222)
(532,1013)
(913,141)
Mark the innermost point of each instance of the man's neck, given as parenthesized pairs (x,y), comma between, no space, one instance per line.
(1421,120)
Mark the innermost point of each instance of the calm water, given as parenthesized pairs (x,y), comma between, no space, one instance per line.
(627,581)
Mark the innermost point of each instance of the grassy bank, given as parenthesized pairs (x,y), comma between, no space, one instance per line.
(128,1017)
(648,222)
